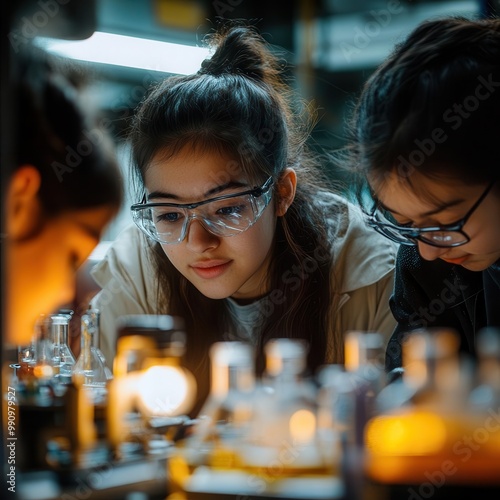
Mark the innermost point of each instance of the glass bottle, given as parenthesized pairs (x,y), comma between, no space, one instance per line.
(43,348)
(90,368)
(226,416)
(486,393)
(63,359)
(364,362)
(44,370)
(356,391)
(26,360)
(215,446)
(284,428)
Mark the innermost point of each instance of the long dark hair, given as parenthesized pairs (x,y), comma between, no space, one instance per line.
(238,104)
(434,105)
(57,134)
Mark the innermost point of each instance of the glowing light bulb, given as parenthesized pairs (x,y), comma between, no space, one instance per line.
(165,391)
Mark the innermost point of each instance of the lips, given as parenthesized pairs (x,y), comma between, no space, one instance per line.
(457,261)
(208,269)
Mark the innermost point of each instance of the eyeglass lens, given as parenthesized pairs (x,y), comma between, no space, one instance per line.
(437,238)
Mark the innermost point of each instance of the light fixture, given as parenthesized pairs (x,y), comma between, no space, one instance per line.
(131,52)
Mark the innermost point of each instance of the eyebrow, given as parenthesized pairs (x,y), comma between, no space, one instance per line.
(210,192)
(434,211)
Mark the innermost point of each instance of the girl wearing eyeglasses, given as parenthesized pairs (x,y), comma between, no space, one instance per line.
(234,230)
(427,131)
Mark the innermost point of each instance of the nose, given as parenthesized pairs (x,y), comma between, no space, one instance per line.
(429,252)
(198,238)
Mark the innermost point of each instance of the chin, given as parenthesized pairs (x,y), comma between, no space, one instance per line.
(213,294)
(477,266)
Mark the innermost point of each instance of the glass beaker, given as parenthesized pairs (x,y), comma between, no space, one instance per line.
(90,368)
(62,357)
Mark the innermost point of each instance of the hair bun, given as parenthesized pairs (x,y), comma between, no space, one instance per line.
(240,50)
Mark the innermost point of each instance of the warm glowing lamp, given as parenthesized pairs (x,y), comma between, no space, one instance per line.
(165,391)
(148,375)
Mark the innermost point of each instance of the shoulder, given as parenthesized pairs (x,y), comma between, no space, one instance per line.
(127,259)
(362,257)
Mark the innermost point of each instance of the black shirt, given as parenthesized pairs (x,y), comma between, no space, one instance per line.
(435,293)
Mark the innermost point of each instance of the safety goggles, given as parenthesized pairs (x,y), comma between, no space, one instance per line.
(227,215)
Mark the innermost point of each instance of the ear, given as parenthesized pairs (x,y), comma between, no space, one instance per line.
(23,208)
(287,185)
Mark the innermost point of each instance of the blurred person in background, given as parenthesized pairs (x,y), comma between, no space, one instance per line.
(64,188)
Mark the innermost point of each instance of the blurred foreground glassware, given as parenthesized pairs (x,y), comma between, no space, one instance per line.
(364,361)
(346,401)
(226,415)
(26,361)
(257,439)
(151,390)
(486,393)
(434,440)
(90,368)
(215,444)
(286,411)
(36,372)
(63,359)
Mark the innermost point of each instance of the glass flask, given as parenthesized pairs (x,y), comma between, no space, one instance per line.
(62,357)
(90,368)
(283,390)
(44,368)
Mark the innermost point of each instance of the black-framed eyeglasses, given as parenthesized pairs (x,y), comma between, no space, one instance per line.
(449,235)
(226,215)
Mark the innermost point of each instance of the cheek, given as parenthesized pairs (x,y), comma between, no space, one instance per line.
(174,254)
(257,241)
(485,233)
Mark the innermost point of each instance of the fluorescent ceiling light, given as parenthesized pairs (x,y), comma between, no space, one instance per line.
(120,50)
